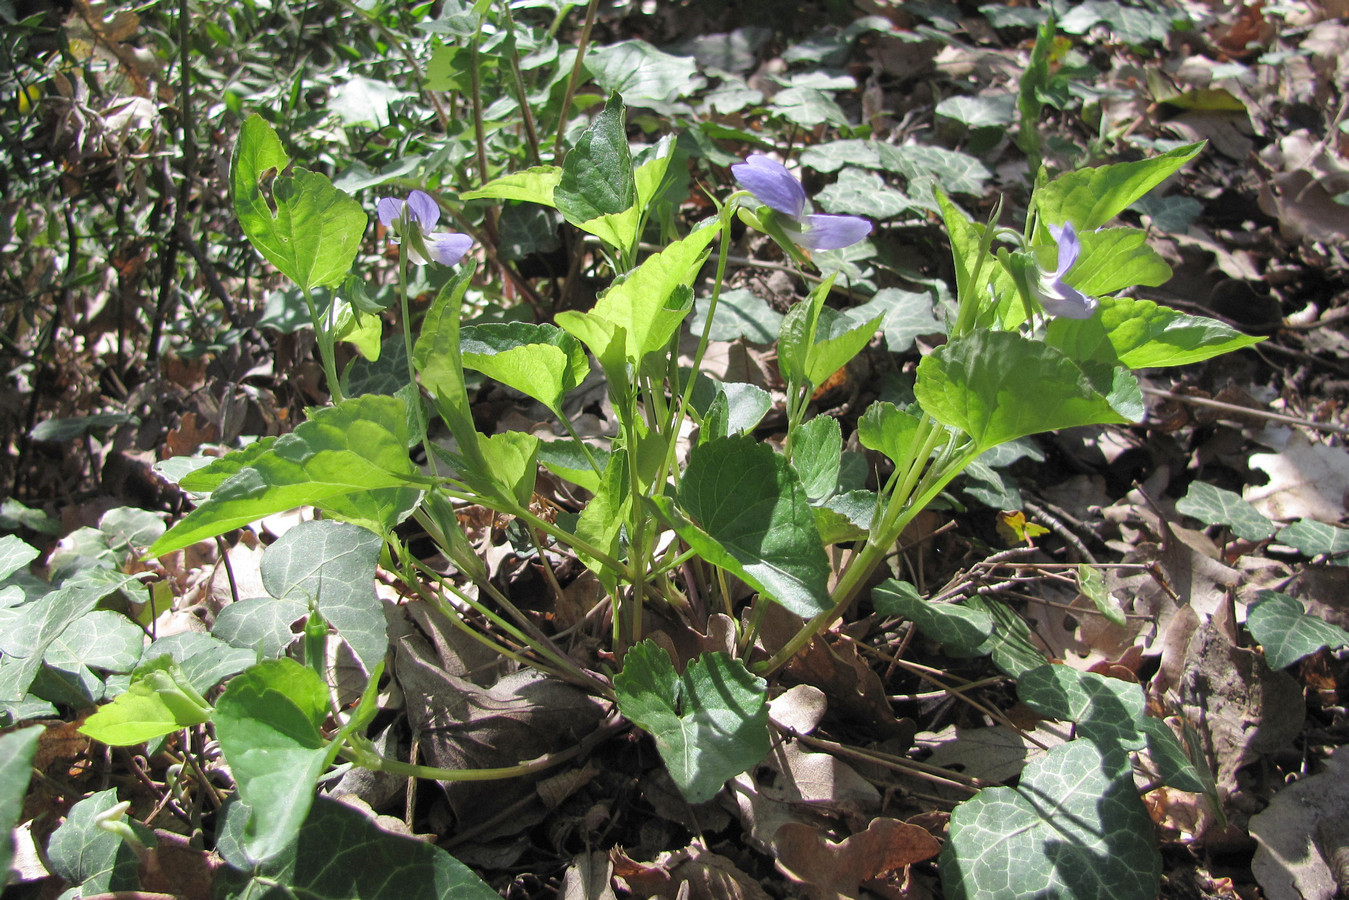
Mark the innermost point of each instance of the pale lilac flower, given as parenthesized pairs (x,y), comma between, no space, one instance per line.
(775,187)
(412,220)
(1054,294)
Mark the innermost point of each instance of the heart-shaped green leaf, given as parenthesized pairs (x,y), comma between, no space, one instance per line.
(357,446)
(998,386)
(1073,828)
(310,231)
(1089,198)
(268,721)
(597,173)
(742,507)
(158,701)
(1287,631)
(540,361)
(1141,335)
(710,724)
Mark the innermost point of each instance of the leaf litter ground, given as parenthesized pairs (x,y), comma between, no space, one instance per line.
(884,730)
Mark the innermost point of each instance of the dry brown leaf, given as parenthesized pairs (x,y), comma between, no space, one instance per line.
(1306,481)
(689,874)
(1301,833)
(838,870)
(1241,706)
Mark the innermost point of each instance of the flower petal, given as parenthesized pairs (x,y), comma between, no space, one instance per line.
(445,247)
(389,209)
(832,232)
(1069,247)
(424,210)
(771,184)
(1061,299)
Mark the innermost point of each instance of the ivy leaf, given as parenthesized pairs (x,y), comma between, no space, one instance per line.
(741,506)
(1073,828)
(1313,538)
(268,721)
(645,76)
(710,724)
(96,860)
(310,230)
(1215,506)
(15,554)
(386,866)
(355,447)
(1287,632)
(961,630)
(1174,764)
(998,386)
(332,565)
(17,749)
(740,314)
(1107,711)
(204,660)
(261,624)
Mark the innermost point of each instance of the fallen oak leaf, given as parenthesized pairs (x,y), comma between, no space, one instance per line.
(831,869)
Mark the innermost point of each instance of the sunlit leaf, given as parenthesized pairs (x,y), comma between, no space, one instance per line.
(540,361)
(1287,631)
(1090,198)
(1073,828)
(158,701)
(1215,506)
(742,507)
(961,630)
(997,386)
(17,749)
(310,230)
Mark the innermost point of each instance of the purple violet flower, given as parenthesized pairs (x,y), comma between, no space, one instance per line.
(1053,293)
(775,187)
(412,221)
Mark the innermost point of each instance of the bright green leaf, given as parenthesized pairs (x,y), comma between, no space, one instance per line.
(204,660)
(889,431)
(997,386)
(534,185)
(309,230)
(710,724)
(357,446)
(540,361)
(1089,198)
(268,721)
(512,458)
(1140,334)
(158,701)
(1287,631)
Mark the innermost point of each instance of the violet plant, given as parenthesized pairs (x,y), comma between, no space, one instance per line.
(1031,348)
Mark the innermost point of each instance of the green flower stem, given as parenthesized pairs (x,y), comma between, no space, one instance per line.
(911,496)
(518,81)
(378,763)
(573,81)
(324,340)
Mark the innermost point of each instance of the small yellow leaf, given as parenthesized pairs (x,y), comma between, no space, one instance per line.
(1014,528)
